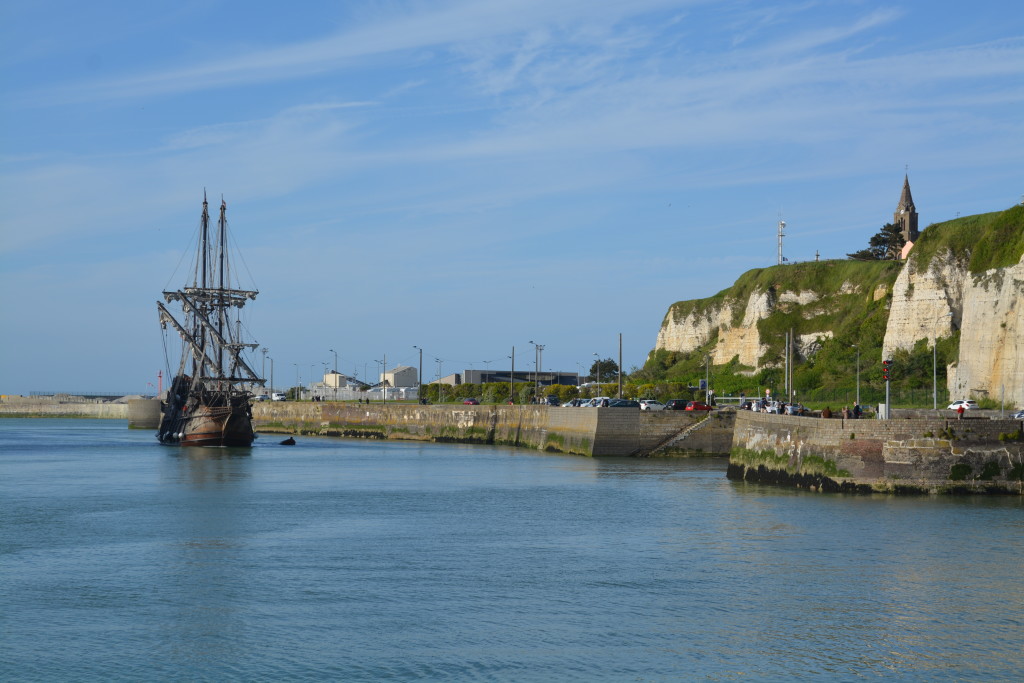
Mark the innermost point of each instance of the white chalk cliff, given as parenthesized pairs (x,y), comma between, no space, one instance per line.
(943,296)
(929,300)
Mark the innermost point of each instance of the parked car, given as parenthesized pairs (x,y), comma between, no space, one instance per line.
(261,397)
(676,404)
(1019,415)
(968,405)
(471,402)
(552,401)
(697,405)
(651,404)
(278,396)
(623,403)
(596,402)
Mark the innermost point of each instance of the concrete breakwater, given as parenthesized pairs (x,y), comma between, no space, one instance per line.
(18,406)
(931,455)
(581,431)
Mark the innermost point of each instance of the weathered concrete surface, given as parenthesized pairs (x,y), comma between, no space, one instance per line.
(915,455)
(48,407)
(144,413)
(542,427)
(581,431)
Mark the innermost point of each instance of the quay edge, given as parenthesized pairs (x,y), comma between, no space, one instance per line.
(580,431)
(901,456)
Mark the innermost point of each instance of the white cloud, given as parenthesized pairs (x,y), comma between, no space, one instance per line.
(409,27)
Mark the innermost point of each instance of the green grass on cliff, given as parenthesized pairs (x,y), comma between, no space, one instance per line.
(991,240)
(823,277)
(845,312)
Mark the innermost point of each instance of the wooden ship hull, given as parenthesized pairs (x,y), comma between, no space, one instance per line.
(194,417)
(198,424)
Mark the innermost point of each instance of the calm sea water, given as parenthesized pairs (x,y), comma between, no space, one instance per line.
(368,561)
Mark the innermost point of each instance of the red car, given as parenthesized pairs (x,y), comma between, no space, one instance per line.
(471,402)
(697,405)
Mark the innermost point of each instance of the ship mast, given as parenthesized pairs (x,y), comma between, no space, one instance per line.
(211,293)
(221,304)
(201,262)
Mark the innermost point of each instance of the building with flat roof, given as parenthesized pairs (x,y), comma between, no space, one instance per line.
(543,378)
(400,376)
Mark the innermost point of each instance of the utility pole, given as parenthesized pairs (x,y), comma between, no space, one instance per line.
(707,379)
(512,379)
(785,360)
(620,365)
(857,346)
(886,367)
(419,377)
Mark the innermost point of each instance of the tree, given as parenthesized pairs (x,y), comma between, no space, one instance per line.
(604,370)
(886,245)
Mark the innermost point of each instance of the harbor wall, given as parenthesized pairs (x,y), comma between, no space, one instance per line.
(581,431)
(917,455)
(541,427)
(18,406)
(144,413)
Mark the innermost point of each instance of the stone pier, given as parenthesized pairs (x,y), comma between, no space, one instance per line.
(920,455)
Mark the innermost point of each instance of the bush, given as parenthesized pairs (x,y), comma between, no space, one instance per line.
(960,472)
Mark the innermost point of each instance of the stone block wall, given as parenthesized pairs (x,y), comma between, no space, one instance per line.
(879,454)
(714,438)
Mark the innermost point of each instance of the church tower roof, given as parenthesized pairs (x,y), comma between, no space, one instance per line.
(906,201)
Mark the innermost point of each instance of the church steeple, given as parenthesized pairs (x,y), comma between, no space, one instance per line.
(905,216)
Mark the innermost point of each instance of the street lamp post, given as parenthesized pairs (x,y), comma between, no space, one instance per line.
(383,378)
(298,392)
(620,365)
(264,350)
(540,366)
(336,378)
(857,346)
(271,378)
(935,343)
(439,385)
(512,379)
(537,350)
(419,377)
(707,379)
(597,373)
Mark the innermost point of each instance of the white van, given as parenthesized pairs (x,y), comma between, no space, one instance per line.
(278,396)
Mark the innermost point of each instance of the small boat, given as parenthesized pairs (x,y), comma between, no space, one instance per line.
(209,399)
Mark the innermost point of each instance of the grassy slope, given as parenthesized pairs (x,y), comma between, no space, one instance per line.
(994,240)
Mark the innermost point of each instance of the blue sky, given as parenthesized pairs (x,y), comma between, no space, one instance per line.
(469,176)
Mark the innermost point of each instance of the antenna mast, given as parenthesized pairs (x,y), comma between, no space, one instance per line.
(782,226)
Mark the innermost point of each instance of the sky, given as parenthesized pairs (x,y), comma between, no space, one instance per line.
(468,177)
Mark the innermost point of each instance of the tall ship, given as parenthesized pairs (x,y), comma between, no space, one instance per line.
(209,399)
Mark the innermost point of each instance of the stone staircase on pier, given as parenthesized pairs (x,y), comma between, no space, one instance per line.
(681,435)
